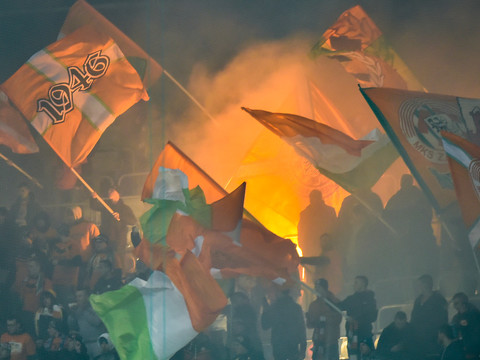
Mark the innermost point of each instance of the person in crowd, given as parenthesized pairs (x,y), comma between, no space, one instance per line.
(452,348)
(363,201)
(242,321)
(109,278)
(21,343)
(74,348)
(30,290)
(243,350)
(285,319)
(101,250)
(466,323)
(367,350)
(316,219)
(48,310)
(107,350)
(84,321)
(410,213)
(51,348)
(396,340)
(24,209)
(115,226)
(81,231)
(325,320)
(428,314)
(361,308)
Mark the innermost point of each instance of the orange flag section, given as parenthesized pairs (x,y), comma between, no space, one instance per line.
(82,13)
(14,131)
(173,158)
(203,296)
(73,90)
(464,178)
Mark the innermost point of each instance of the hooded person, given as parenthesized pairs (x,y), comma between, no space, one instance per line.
(107,349)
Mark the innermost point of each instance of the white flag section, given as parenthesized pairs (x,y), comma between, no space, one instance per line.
(170,185)
(146,319)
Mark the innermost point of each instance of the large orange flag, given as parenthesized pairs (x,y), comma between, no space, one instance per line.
(73,90)
(464,161)
(82,13)
(414,120)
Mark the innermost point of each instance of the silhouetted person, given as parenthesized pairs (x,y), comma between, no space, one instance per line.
(452,348)
(325,321)
(396,341)
(361,309)
(428,314)
(316,219)
(285,317)
(466,323)
(410,213)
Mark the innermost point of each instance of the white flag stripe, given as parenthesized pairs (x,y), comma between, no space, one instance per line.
(457,153)
(56,72)
(159,294)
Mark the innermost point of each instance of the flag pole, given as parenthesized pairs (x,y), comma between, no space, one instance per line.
(313,291)
(376,213)
(89,188)
(190,96)
(11,163)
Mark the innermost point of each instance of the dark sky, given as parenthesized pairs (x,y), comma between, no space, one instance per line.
(438,39)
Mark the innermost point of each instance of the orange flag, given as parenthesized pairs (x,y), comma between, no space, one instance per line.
(464,161)
(172,157)
(82,13)
(73,90)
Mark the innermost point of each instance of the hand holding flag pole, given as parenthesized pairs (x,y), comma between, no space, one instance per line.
(94,194)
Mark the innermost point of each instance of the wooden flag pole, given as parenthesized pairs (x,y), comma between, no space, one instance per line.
(109,209)
(190,96)
(11,163)
(313,291)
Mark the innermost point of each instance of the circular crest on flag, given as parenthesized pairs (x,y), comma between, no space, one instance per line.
(421,121)
(474,171)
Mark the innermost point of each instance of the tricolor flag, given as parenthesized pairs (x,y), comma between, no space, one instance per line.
(358,44)
(215,232)
(14,131)
(350,163)
(414,120)
(171,194)
(72,90)
(172,157)
(464,161)
(82,13)
(154,319)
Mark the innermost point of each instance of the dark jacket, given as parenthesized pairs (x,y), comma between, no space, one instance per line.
(362,307)
(392,336)
(285,318)
(467,328)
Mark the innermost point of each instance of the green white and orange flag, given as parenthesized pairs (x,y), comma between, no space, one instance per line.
(81,13)
(154,319)
(358,44)
(464,161)
(351,163)
(414,120)
(72,90)
(14,131)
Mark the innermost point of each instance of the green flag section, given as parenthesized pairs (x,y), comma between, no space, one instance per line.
(170,194)
(413,121)
(351,163)
(153,319)
(358,44)
(464,161)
